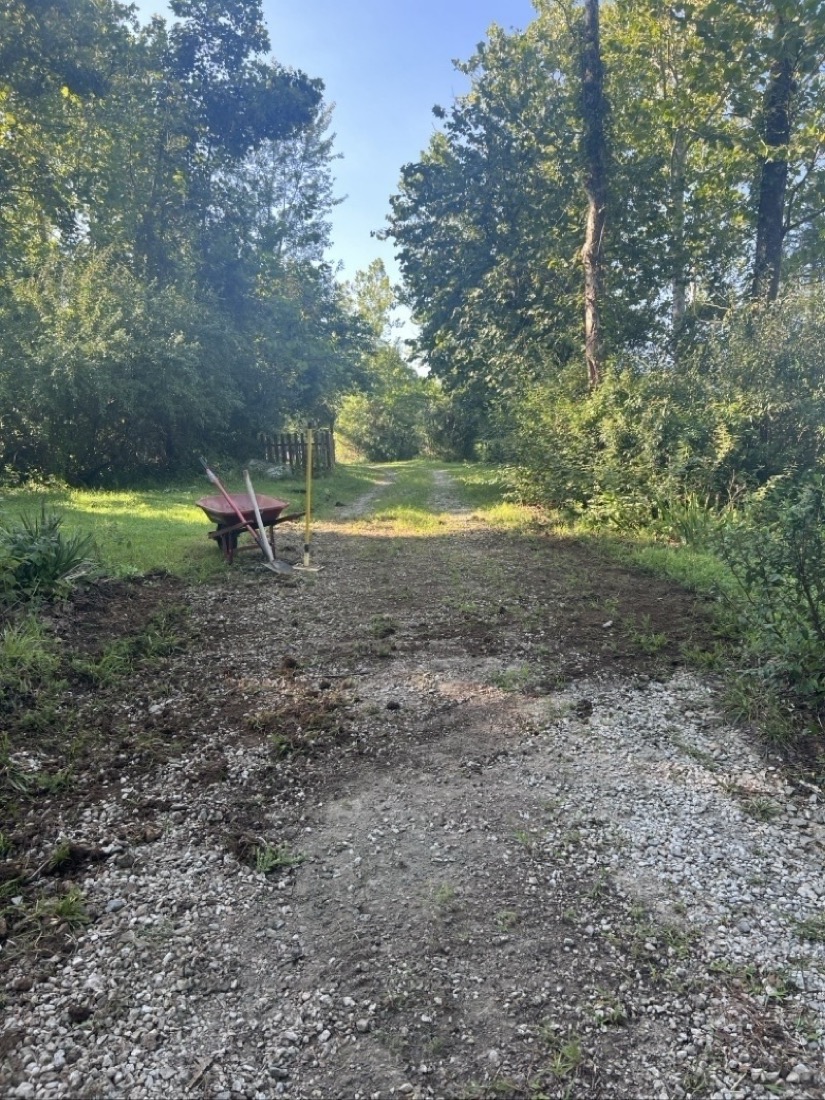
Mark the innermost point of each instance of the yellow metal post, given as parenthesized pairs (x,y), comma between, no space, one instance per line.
(306,566)
(308,519)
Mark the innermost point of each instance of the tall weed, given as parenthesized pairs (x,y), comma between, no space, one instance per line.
(776,553)
(38,559)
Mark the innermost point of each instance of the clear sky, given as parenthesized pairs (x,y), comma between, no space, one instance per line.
(384,64)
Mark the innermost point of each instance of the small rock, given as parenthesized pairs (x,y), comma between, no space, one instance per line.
(115,905)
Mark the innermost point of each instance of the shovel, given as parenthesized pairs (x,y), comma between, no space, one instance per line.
(260,539)
(277,566)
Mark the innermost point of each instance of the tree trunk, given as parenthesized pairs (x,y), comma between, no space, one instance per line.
(678,156)
(595,185)
(774,177)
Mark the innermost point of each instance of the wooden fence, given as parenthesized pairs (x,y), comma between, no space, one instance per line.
(289,449)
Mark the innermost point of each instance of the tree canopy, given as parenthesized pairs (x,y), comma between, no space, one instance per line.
(713,116)
(164,200)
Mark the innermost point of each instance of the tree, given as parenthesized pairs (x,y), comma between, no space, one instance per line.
(487,223)
(794,51)
(680,92)
(594,147)
(386,421)
(54,63)
(166,287)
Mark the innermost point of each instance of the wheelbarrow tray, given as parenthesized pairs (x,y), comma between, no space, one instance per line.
(219,511)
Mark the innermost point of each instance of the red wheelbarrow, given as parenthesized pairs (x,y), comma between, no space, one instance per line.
(229,527)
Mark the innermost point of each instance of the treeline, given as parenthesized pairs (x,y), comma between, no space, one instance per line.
(712,186)
(164,201)
(692,401)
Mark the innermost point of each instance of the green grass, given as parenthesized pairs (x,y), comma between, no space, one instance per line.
(484,488)
(27,657)
(410,501)
(813,928)
(143,530)
(407,502)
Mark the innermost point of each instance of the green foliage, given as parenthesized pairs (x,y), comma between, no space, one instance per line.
(387,426)
(28,661)
(389,419)
(654,447)
(162,286)
(38,559)
(776,553)
(275,857)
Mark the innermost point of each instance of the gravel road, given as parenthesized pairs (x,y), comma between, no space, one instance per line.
(453,817)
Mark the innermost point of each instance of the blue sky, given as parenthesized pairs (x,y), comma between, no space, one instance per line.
(384,63)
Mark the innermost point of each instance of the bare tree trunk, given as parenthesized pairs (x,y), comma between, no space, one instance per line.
(595,185)
(773,183)
(678,155)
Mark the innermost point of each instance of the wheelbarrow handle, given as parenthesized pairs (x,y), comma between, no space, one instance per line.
(213,478)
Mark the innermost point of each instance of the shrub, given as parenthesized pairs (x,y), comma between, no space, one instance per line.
(37,559)
(745,407)
(776,552)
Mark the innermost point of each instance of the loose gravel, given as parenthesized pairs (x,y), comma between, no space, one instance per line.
(397,857)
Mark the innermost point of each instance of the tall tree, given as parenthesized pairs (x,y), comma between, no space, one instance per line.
(794,46)
(55,61)
(679,93)
(594,148)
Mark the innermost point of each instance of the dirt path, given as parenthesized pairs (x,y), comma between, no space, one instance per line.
(451,817)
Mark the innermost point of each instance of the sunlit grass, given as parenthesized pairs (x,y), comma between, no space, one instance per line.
(139,531)
(482,486)
(406,503)
(511,516)
(693,569)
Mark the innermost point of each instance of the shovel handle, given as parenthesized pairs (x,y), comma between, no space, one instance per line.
(267,549)
(214,481)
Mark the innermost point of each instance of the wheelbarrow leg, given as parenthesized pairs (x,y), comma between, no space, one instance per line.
(227,547)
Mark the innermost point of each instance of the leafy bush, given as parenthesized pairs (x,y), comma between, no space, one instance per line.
(37,559)
(776,552)
(385,427)
(744,407)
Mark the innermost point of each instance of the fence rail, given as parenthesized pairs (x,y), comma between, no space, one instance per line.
(289,449)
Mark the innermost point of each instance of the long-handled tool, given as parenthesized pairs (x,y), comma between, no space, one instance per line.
(306,565)
(261,541)
(278,566)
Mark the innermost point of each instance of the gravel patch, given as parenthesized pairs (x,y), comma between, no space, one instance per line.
(404,851)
